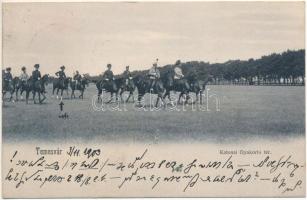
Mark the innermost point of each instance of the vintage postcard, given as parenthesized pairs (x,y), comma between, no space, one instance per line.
(153,99)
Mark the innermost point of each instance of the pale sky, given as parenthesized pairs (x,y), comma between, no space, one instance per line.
(87,36)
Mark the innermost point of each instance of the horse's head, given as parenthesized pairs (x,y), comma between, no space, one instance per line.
(45,79)
(85,81)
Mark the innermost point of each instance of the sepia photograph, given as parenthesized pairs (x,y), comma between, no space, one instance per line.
(138,79)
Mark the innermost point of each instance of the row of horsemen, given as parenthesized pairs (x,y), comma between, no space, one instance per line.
(36,83)
(153,82)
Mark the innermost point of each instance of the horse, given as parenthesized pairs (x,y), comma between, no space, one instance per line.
(170,84)
(60,85)
(108,86)
(19,85)
(81,87)
(37,87)
(123,86)
(198,86)
(143,85)
(7,86)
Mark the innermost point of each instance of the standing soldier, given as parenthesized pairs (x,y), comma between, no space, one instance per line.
(61,74)
(36,75)
(127,76)
(77,78)
(154,75)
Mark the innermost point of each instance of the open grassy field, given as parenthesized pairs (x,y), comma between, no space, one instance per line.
(245,113)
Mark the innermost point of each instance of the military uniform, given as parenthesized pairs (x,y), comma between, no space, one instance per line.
(108,75)
(8,76)
(36,75)
(77,78)
(127,76)
(154,75)
(7,80)
(24,77)
(61,74)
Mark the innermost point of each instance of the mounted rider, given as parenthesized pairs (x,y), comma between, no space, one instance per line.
(7,75)
(154,74)
(24,77)
(7,78)
(178,75)
(108,77)
(62,76)
(77,77)
(36,75)
(127,76)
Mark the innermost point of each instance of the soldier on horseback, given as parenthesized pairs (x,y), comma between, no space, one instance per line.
(154,75)
(7,75)
(178,75)
(24,77)
(127,76)
(61,74)
(8,78)
(108,77)
(77,78)
(36,75)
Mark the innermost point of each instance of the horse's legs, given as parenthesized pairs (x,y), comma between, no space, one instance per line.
(180,95)
(34,97)
(44,97)
(82,92)
(39,97)
(201,96)
(111,97)
(27,96)
(121,95)
(130,94)
(187,97)
(21,92)
(62,92)
(72,93)
(17,94)
(57,93)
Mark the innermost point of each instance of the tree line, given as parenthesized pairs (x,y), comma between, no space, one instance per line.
(287,68)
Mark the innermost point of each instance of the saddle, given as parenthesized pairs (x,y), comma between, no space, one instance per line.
(108,84)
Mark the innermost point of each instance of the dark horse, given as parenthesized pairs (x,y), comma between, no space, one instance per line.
(7,86)
(143,85)
(37,87)
(80,86)
(123,86)
(170,84)
(198,86)
(108,86)
(60,85)
(19,85)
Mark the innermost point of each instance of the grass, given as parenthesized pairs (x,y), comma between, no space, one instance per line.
(246,113)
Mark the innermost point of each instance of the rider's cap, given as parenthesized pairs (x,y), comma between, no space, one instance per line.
(8,69)
(109,65)
(23,68)
(36,66)
(62,67)
(127,66)
(178,62)
(77,71)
